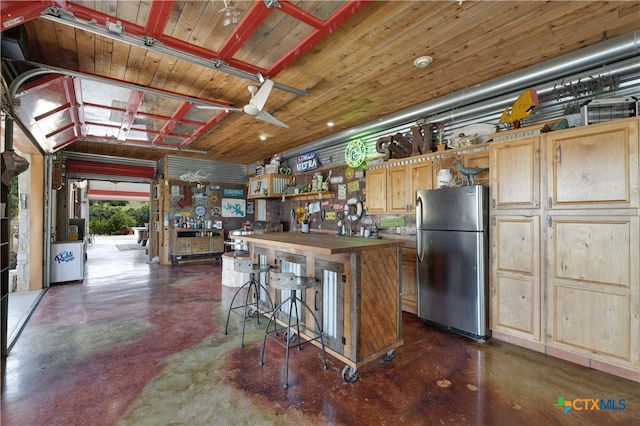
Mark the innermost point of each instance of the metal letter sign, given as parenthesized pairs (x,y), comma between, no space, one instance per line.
(306,162)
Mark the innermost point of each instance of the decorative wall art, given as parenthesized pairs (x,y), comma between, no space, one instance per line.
(233,207)
(230,192)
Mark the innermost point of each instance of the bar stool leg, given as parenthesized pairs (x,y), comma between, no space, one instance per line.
(252,297)
(293,305)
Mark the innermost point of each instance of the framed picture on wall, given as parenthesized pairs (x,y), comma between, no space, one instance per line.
(234,207)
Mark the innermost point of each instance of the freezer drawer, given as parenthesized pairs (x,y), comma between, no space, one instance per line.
(452,281)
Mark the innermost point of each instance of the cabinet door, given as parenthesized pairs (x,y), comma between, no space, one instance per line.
(516,276)
(515,174)
(376,185)
(217,242)
(420,178)
(409,281)
(397,190)
(593,287)
(200,245)
(594,167)
(480,160)
(329,303)
(181,246)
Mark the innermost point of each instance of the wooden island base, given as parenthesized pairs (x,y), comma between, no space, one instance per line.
(358,297)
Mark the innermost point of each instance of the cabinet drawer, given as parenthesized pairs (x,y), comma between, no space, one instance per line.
(200,249)
(200,241)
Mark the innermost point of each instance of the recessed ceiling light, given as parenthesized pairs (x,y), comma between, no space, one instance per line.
(423,61)
(263,138)
(330,123)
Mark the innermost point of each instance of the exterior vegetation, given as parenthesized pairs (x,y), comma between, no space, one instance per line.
(109,217)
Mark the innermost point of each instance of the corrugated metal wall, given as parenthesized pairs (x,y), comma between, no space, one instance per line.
(216,171)
(482,112)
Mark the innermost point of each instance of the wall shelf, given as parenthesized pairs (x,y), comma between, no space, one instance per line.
(305,196)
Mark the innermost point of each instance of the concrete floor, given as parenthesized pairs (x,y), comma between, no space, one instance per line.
(142,344)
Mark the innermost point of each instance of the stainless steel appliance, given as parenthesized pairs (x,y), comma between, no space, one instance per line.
(452,250)
(240,246)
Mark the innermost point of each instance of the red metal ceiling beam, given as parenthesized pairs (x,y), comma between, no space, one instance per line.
(136,30)
(70,93)
(77,87)
(301,15)
(59,130)
(65,143)
(214,120)
(158,17)
(173,122)
(16,13)
(135,100)
(52,112)
(96,167)
(338,18)
(251,21)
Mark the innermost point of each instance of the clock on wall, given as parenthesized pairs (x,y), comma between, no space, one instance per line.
(355,153)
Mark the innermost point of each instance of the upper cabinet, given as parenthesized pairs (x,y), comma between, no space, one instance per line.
(515,174)
(268,185)
(594,167)
(392,189)
(376,184)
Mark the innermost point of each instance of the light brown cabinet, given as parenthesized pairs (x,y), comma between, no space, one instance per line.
(515,174)
(565,274)
(515,289)
(376,184)
(195,243)
(392,189)
(398,190)
(409,281)
(478,159)
(593,284)
(594,167)
(270,185)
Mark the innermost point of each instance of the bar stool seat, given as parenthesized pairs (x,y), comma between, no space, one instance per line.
(291,336)
(251,307)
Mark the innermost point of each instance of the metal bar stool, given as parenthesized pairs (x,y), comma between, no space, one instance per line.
(251,306)
(289,281)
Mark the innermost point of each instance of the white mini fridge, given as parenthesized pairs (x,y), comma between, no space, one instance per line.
(67,261)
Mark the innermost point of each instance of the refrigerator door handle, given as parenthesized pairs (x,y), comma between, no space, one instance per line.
(419,248)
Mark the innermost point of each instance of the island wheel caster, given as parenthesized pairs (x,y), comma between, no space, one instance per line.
(389,356)
(349,374)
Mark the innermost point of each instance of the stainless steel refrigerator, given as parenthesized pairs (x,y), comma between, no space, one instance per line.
(452,256)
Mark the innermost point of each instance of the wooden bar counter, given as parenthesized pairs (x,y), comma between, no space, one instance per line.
(358,297)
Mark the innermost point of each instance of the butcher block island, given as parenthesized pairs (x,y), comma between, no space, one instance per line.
(357,299)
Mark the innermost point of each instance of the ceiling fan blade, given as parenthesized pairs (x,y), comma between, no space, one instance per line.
(261,96)
(265,116)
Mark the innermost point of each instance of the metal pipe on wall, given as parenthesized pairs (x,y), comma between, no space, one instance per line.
(588,58)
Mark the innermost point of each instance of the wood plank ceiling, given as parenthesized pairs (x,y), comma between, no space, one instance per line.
(354,58)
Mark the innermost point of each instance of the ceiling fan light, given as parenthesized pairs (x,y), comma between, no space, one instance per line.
(231,15)
(423,61)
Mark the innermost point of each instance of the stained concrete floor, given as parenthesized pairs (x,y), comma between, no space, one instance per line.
(143,344)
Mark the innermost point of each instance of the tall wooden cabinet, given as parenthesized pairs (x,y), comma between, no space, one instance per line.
(593,243)
(566,270)
(515,287)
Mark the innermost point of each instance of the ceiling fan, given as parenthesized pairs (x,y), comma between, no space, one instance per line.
(256,103)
